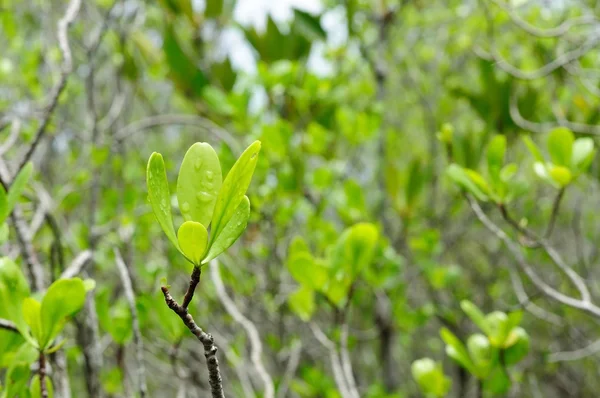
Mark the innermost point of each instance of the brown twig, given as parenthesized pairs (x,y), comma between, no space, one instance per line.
(42,374)
(555,208)
(207,340)
(189,294)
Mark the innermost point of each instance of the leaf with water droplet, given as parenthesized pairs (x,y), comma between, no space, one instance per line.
(200,162)
(160,196)
(232,231)
(192,238)
(233,190)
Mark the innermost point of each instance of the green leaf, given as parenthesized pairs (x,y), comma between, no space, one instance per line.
(233,190)
(495,156)
(561,175)
(63,298)
(35,388)
(497,381)
(232,231)
(415,182)
(14,193)
(307,271)
(560,146)
(459,175)
(32,316)
(519,347)
(302,303)
(354,249)
(583,153)
(533,149)
(193,238)
(160,197)
(456,350)
(430,377)
(499,325)
(508,172)
(13,290)
(185,73)
(213,9)
(309,25)
(481,353)
(198,183)
(475,315)
(17,377)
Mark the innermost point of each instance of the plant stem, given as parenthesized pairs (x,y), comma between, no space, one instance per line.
(42,374)
(207,340)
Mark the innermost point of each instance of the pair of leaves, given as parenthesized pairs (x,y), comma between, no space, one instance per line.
(46,319)
(569,157)
(496,325)
(500,185)
(204,198)
(352,252)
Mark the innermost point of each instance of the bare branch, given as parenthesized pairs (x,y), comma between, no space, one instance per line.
(67,66)
(545,70)
(207,340)
(8,325)
(559,30)
(249,327)
(513,248)
(575,355)
(135,322)
(77,265)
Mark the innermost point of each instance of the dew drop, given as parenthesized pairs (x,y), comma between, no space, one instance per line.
(204,196)
(185,207)
(198,164)
(209,175)
(253,155)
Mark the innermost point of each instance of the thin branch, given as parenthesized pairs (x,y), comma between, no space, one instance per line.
(207,340)
(575,355)
(249,326)
(135,323)
(67,67)
(336,364)
(15,129)
(346,362)
(290,370)
(513,248)
(42,375)
(77,265)
(166,120)
(544,127)
(553,216)
(559,30)
(545,70)
(8,325)
(189,294)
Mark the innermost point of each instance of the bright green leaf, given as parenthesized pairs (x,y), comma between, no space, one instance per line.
(461,178)
(430,377)
(533,149)
(560,146)
(475,315)
(495,156)
(35,387)
(160,197)
(32,316)
(233,190)
(198,183)
(302,303)
(193,238)
(583,153)
(561,175)
(63,298)
(456,350)
(232,231)
(518,348)
(14,193)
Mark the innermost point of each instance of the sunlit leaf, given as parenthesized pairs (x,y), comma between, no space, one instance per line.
(193,238)
(63,298)
(560,146)
(160,196)
(233,190)
(198,183)
(232,231)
